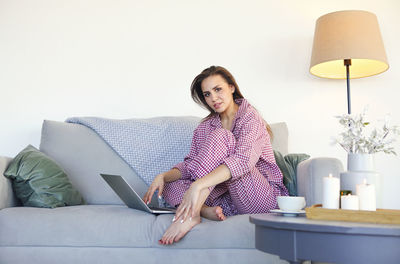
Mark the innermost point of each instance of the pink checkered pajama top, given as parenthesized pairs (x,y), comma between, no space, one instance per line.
(246,150)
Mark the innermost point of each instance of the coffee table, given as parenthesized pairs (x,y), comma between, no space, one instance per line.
(297,239)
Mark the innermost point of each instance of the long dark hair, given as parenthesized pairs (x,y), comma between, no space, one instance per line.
(197,93)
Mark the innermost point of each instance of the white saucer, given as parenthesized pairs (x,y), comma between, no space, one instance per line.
(288,213)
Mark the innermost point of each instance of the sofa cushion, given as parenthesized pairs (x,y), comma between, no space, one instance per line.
(129,255)
(38,181)
(113,226)
(237,228)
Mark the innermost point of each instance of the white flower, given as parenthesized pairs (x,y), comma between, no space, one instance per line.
(358,137)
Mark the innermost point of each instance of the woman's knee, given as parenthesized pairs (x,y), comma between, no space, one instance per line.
(252,194)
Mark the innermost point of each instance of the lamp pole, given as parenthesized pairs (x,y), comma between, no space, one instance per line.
(347,63)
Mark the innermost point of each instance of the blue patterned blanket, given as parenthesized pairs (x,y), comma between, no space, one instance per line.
(149,146)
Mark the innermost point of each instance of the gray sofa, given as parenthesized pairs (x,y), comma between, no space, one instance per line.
(106,231)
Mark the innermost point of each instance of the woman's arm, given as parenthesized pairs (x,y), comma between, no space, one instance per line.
(172,175)
(194,197)
(251,141)
(159,182)
(217,176)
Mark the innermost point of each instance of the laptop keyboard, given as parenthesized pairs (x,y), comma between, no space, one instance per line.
(161,209)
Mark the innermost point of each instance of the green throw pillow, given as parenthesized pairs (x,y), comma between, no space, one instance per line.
(39,182)
(288,165)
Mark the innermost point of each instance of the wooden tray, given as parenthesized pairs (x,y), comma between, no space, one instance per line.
(380,216)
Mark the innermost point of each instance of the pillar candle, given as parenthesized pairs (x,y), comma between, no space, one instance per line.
(366,195)
(349,202)
(330,192)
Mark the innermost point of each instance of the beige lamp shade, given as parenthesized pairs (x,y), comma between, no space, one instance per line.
(350,34)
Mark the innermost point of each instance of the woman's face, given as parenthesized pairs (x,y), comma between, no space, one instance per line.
(218,93)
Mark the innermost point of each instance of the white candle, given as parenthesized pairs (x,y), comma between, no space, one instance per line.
(367,196)
(349,202)
(330,192)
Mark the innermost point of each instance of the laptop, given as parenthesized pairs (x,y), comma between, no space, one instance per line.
(128,195)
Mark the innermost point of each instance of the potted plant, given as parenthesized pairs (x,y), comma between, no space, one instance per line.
(358,137)
(362,141)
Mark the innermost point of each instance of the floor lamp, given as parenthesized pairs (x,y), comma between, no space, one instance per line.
(347,45)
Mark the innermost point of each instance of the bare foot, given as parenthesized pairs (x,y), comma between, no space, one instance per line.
(213,213)
(177,230)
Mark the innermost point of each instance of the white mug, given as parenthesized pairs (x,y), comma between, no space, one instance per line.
(291,203)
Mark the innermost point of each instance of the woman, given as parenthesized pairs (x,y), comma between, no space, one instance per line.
(230,168)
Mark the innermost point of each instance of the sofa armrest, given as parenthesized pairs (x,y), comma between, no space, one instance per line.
(7,197)
(309,177)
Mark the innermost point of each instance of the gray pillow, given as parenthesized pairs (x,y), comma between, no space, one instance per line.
(39,182)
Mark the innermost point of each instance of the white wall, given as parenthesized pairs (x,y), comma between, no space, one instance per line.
(125,59)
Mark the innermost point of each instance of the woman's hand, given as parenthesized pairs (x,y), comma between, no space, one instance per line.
(157,184)
(190,203)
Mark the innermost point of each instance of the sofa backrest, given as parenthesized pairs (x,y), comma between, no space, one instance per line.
(84,155)
(7,196)
(280,137)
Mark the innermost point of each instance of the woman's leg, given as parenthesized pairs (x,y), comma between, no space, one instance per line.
(252,193)
(214,213)
(173,191)
(218,145)
(178,229)
(173,194)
